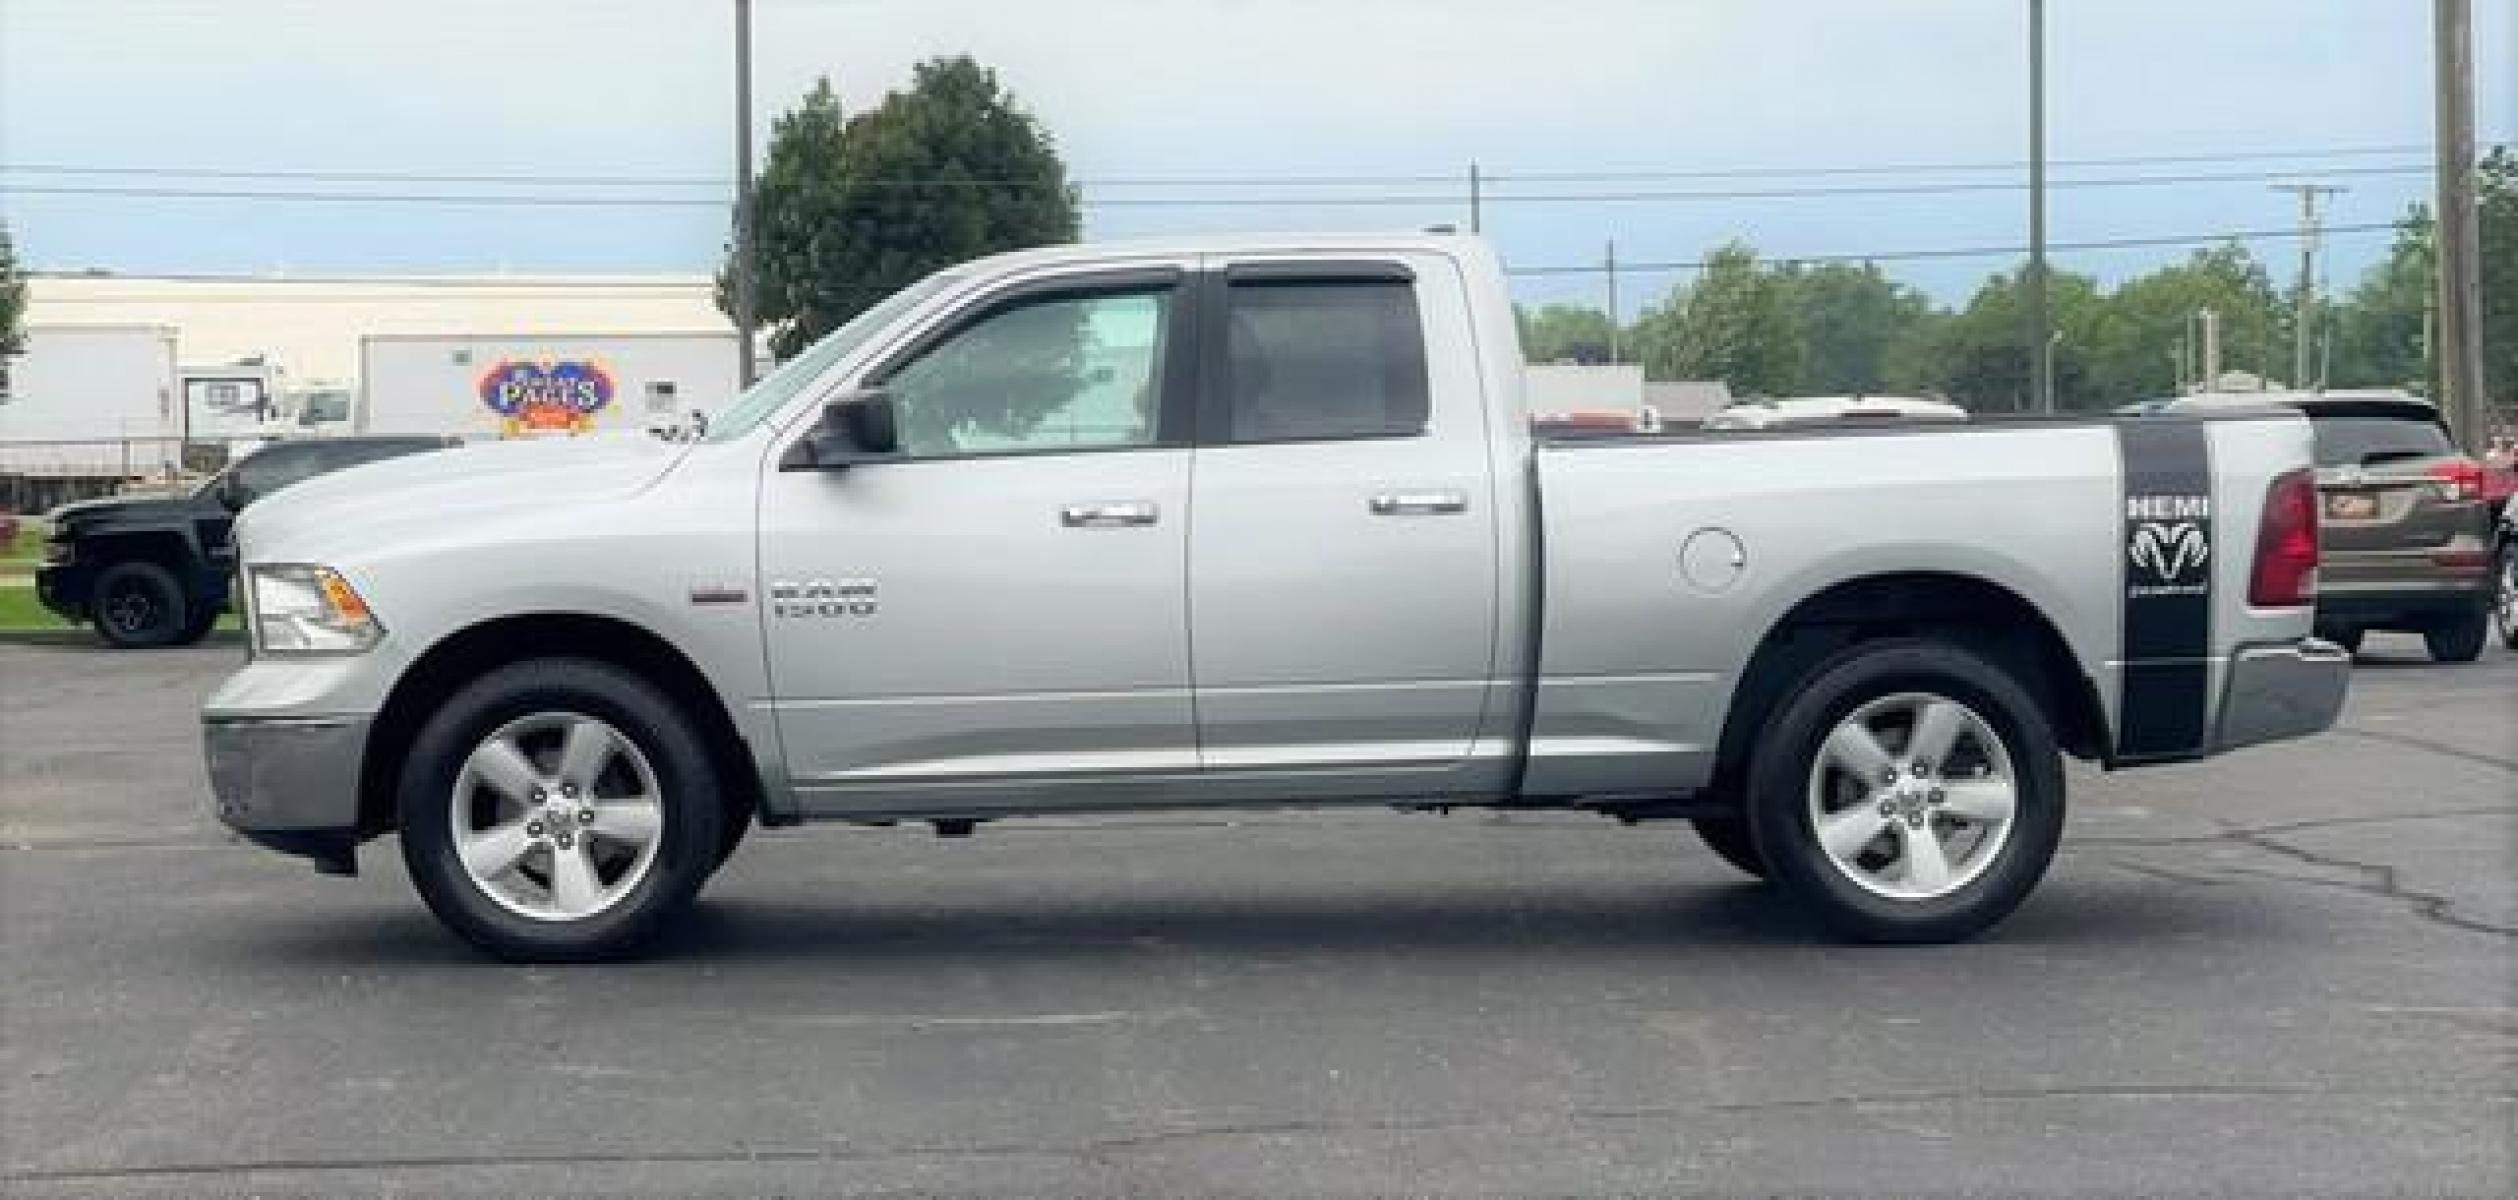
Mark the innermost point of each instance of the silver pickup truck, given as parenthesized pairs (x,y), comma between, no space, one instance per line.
(1249,523)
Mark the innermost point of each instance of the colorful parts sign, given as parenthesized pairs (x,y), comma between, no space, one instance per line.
(546,395)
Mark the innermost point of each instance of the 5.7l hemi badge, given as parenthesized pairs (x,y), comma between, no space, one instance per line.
(2168,543)
(822,598)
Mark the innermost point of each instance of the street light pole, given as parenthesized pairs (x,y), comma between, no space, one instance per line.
(2041,347)
(1610,264)
(740,271)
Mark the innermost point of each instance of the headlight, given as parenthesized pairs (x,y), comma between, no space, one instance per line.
(299,609)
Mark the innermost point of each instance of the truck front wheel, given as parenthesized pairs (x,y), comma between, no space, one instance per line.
(559,810)
(139,605)
(1908,791)
(1728,837)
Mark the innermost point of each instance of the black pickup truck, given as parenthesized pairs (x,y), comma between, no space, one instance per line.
(154,571)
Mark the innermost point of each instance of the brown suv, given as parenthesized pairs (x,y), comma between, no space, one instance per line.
(2405,532)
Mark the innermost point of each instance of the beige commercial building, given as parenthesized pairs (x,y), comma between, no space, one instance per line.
(310,326)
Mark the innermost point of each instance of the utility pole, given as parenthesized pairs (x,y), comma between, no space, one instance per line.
(2041,347)
(2311,230)
(2211,373)
(1610,263)
(745,306)
(2460,262)
(1475,224)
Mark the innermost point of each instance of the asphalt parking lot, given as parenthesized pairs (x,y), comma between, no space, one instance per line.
(2290,971)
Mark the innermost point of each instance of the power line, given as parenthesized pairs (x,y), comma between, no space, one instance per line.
(1340,201)
(656,281)
(564,285)
(2122,243)
(1955,168)
(1193,181)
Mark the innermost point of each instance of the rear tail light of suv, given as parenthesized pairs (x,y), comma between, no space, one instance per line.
(2460,479)
(2285,574)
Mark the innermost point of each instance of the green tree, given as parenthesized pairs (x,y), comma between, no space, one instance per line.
(1856,327)
(12,307)
(849,211)
(1565,333)
(1979,356)
(1734,323)
(2497,197)
(2380,339)
(2132,346)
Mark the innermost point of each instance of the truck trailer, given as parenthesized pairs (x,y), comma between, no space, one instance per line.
(91,400)
(487,386)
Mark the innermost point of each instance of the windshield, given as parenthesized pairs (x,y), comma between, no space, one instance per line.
(781,385)
(2352,441)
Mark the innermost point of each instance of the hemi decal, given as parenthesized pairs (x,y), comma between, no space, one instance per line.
(2167,570)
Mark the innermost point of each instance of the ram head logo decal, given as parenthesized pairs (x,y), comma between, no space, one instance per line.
(2169,550)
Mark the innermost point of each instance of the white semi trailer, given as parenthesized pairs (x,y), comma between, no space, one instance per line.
(91,400)
(525,385)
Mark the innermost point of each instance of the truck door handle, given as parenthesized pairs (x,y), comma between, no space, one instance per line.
(1110,515)
(1409,504)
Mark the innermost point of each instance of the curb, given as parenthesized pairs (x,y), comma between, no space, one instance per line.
(72,635)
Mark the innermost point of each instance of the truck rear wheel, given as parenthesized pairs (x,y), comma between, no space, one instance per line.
(559,810)
(1908,791)
(139,605)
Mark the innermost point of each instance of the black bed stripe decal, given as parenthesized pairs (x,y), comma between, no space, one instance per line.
(2167,569)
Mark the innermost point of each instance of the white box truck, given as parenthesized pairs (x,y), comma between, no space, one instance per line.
(231,402)
(91,400)
(478,385)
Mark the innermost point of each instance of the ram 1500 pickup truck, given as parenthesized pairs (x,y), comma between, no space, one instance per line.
(1250,523)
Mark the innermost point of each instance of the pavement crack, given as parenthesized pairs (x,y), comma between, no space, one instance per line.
(2422,743)
(2237,832)
(2376,879)
(2381,881)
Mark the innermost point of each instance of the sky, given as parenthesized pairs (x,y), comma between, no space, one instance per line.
(1618,115)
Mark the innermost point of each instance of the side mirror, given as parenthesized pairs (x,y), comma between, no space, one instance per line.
(860,426)
(231,493)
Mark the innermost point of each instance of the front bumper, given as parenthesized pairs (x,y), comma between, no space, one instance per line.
(290,783)
(65,589)
(2282,690)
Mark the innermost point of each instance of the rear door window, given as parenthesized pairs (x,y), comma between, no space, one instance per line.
(1306,359)
(2348,441)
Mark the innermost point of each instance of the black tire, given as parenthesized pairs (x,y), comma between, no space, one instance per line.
(688,841)
(1787,754)
(204,618)
(1728,838)
(2505,593)
(2458,639)
(139,605)
(729,836)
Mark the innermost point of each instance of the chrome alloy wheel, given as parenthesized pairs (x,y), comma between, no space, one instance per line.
(557,816)
(1912,796)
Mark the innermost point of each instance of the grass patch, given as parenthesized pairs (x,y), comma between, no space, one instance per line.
(26,552)
(19,609)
